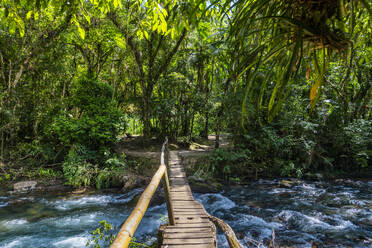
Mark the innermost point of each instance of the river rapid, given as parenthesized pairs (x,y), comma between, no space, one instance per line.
(305,214)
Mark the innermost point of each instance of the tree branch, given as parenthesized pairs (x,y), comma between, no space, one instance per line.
(168,58)
(130,42)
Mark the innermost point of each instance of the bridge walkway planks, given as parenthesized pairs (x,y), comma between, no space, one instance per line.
(193,228)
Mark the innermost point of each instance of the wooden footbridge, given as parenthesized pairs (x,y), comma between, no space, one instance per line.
(189,223)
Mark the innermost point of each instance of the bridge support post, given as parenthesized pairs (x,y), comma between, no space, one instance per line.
(172,221)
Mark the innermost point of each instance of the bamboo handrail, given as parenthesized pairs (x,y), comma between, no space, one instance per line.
(164,150)
(127,230)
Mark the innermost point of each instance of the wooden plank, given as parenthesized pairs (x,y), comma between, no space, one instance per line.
(182,199)
(193,228)
(187,235)
(180,172)
(178,183)
(176,166)
(176,205)
(179,205)
(194,225)
(182,193)
(178,229)
(185,221)
(177,188)
(189,214)
(176,175)
(189,211)
(189,246)
(187,241)
(186,201)
(178,180)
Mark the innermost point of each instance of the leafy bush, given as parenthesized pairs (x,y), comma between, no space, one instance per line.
(114,168)
(229,163)
(86,129)
(352,146)
(79,169)
(93,119)
(103,235)
(76,169)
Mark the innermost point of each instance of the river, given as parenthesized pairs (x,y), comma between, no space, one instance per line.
(318,214)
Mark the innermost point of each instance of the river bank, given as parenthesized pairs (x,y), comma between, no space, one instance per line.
(302,214)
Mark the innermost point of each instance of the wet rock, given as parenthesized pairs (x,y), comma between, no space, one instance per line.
(19,202)
(316,245)
(205,187)
(119,181)
(157,199)
(287,183)
(134,201)
(196,179)
(254,204)
(135,182)
(79,191)
(314,176)
(24,185)
(286,194)
(41,215)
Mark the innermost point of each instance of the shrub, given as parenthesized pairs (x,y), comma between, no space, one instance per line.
(93,120)
(76,169)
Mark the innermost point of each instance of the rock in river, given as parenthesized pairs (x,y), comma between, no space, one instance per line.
(24,185)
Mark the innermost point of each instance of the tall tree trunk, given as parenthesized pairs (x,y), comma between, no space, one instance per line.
(146,115)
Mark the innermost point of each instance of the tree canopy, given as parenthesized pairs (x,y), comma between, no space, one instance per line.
(288,77)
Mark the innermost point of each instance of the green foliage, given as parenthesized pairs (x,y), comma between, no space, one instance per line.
(134,244)
(79,168)
(228,164)
(5,177)
(48,173)
(355,143)
(290,81)
(114,167)
(96,122)
(103,236)
(76,168)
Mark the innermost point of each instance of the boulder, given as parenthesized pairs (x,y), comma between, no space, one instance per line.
(24,185)
(134,182)
(287,183)
(206,187)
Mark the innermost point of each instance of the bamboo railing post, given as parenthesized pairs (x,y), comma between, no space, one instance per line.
(127,230)
(164,151)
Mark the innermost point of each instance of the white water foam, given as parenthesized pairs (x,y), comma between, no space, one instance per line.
(72,242)
(313,224)
(69,204)
(75,220)
(14,223)
(215,201)
(15,243)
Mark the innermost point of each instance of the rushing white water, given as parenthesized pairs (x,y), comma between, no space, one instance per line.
(308,213)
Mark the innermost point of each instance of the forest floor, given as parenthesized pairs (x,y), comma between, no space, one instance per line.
(145,152)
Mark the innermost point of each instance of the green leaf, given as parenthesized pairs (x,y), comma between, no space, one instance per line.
(29,14)
(12,27)
(120,42)
(146,34)
(87,17)
(81,32)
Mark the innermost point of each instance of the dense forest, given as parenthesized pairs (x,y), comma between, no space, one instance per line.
(290,81)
